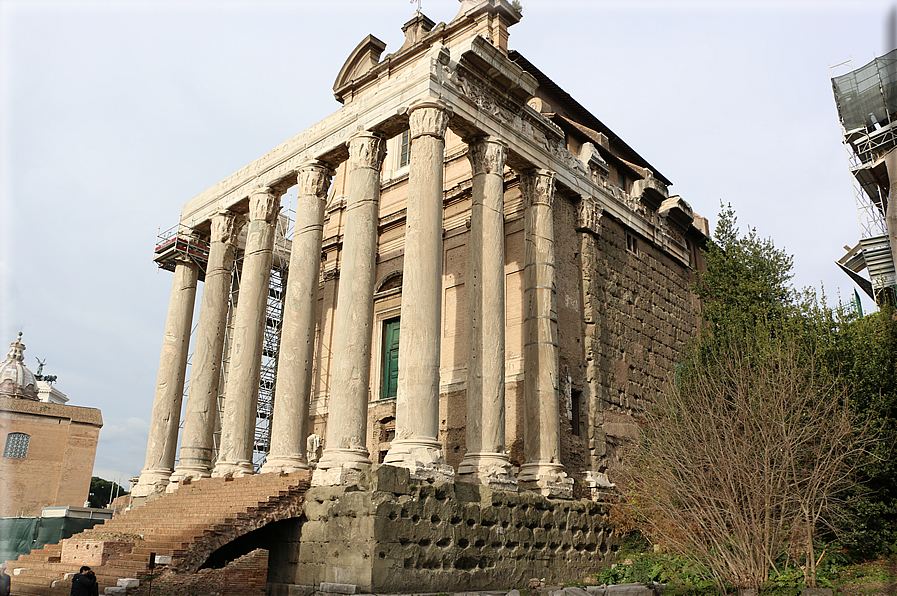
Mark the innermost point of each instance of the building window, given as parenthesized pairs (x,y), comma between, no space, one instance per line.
(632,244)
(621,180)
(576,411)
(390,368)
(16,445)
(405,152)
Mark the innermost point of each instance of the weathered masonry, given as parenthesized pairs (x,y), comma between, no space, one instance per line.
(483,284)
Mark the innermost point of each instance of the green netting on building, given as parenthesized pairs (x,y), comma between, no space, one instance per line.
(16,536)
(868,90)
(19,535)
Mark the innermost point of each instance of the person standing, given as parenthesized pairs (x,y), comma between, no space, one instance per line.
(84,583)
(5,581)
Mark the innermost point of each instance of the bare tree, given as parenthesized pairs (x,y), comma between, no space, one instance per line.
(750,447)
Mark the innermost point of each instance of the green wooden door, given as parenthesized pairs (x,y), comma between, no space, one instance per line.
(390,371)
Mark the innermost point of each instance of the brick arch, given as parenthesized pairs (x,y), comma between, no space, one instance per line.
(280,508)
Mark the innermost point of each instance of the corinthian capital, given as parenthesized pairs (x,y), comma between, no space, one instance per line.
(487,155)
(314,179)
(226,226)
(429,119)
(263,204)
(366,150)
(537,187)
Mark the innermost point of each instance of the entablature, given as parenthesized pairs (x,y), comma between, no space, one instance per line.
(488,96)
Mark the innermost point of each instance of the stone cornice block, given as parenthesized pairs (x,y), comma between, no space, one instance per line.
(650,191)
(677,210)
(499,68)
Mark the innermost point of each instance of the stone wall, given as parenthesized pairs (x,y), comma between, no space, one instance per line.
(398,537)
(638,314)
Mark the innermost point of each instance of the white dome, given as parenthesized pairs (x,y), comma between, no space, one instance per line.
(15,378)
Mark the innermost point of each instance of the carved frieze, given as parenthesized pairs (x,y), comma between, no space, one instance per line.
(366,150)
(263,205)
(487,155)
(226,226)
(589,216)
(537,187)
(314,179)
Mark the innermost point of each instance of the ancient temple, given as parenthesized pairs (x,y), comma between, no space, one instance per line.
(482,283)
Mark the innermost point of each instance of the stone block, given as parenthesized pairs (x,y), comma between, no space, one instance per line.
(352,504)
(629,590)
(128,582)
(574,591)
(115,590)
(335,588)
(275,589)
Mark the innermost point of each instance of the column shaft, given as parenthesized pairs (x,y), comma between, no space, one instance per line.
(195,459)
(297,337)
(345,449)
(542,471)
(416,445)
(238,424)
(163,436)
(486,461)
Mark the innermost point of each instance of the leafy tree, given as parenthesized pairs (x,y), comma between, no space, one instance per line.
(863,350)
(103,491)
(747,280)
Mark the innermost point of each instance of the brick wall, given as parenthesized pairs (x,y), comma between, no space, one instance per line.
(247,576)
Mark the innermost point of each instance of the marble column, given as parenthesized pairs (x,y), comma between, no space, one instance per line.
(166,416)
(195,459)
(486,461)
(416,445)
(241,395)
(297,336)
(345,455)
(542,472)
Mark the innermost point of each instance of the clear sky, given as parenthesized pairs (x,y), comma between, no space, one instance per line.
(113,113)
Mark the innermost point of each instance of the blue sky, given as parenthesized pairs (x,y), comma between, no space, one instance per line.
(113,113)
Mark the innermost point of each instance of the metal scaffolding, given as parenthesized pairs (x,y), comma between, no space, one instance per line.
(866,99)
(182,240)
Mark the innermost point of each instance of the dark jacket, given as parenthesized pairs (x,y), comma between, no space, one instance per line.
(4,584)
(85,585)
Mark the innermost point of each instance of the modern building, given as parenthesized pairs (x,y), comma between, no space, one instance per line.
(462,272)
(867,108)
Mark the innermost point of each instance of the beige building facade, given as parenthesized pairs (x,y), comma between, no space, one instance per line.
(483,283)
(48,448)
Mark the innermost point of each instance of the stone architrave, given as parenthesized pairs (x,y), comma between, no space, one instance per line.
(241,398)
(416,445)
(486,461)
(297,337)
(166,417)
(201,414)
(345,456)
(542,472)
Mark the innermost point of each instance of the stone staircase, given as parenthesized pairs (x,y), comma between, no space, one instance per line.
(183,528)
